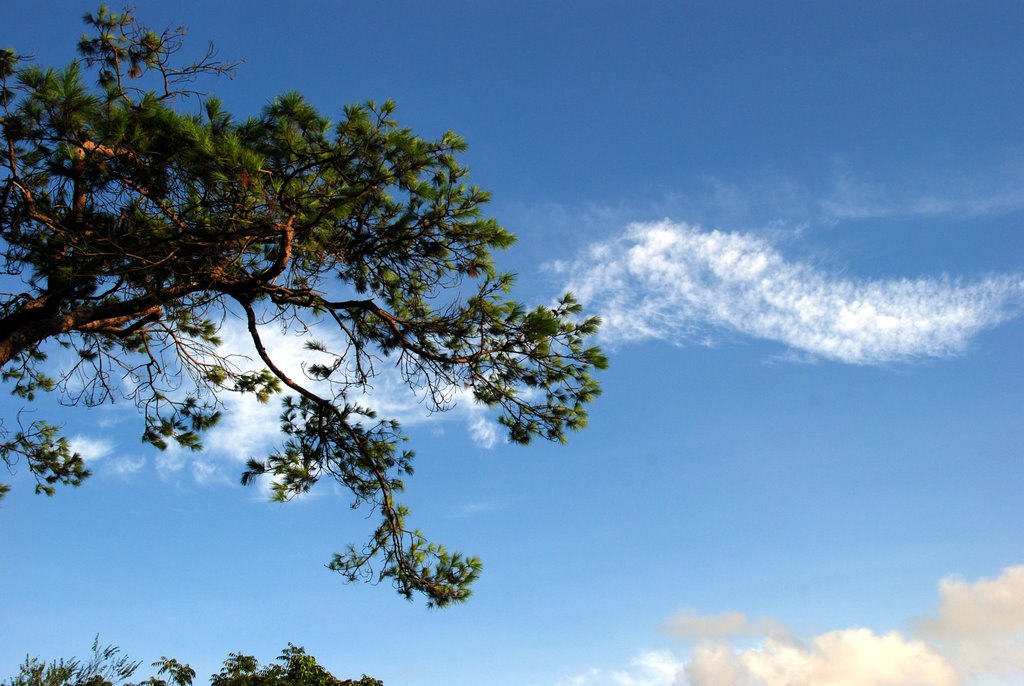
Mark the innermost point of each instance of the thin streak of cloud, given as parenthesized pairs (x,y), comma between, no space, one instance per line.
(853,197)
(474,508)
(689,625)
(837,194)
(680,283)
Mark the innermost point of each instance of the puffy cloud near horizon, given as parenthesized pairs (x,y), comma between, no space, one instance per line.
(677,282)
(982,623)
(851,657)
(976,633)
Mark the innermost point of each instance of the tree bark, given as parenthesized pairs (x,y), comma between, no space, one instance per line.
(21,330)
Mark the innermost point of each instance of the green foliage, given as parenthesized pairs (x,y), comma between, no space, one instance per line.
(133,227)
(293,668)
(178,673)
(107,667)
(50,458)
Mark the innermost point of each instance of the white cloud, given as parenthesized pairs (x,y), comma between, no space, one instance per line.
(983,622)
(988,606)
(652,668)
(714,664)
(852,657)
(677,282)
(101,450)
(91,449)
(249,428)
(205,471)
(689,625)
(171,460)
(125,464)
(976,636)
(479,421)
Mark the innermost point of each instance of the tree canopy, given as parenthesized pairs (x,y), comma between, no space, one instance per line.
(107,666)
(138,218)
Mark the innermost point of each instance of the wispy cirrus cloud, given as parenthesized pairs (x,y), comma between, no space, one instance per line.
(678,282)
(104,451)
(852,196)
(976,633)
(474,508)
(838,193)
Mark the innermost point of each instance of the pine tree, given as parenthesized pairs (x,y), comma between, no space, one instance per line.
(132,228)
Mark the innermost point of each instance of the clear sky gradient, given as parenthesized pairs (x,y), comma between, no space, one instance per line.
(801,222)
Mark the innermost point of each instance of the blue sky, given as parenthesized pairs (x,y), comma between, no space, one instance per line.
(802,224)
